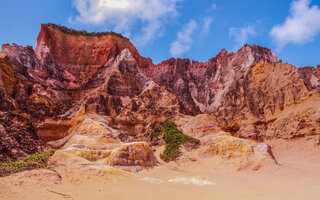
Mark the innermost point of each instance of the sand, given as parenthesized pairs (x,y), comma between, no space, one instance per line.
(296,177)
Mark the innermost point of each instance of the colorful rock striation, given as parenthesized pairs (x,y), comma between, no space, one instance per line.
(96,97)
(249,92)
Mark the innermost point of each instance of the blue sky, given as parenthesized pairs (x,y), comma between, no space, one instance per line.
(191,29)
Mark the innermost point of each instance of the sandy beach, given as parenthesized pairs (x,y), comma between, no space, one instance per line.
(296,177)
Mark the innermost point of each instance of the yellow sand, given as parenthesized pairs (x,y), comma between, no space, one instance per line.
(296,178)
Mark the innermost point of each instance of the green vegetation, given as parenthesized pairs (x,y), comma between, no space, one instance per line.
(142,96)
(155,134)
(83,32)
(173,138)
(33,161)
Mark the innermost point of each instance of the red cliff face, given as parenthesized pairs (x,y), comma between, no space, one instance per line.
(202,87)
(83,54)
(71,74)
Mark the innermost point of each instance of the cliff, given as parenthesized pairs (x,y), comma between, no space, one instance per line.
(82,55)
(73,76)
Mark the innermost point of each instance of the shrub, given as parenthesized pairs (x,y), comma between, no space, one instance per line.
(83,32)
(173,138)
(142,96)
(33,161)
(155,134)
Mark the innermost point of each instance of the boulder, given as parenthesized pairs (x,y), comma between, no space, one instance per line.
(237,152)
(133,154)
(93,143)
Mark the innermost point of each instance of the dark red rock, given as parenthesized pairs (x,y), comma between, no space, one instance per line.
(18,137)
(311,77)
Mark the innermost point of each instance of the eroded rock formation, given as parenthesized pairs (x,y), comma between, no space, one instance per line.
(249,92)
(238,153)
(95,93)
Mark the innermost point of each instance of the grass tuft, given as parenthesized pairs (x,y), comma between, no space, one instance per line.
(33,161)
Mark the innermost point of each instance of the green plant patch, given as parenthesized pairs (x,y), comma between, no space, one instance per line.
(33,161)
(155,134)
(83,32)
(173,138)
(142,96)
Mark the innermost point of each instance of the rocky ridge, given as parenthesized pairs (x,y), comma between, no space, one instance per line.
(249,92)
(99,88)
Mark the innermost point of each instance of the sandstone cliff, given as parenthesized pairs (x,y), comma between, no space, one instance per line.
(73,76)
(252,93)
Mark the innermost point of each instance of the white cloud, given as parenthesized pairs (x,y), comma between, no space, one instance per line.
(124,14)
(300,27)
(241,35)
(149,31)
(214,6)
(184,40)
(206,25)
(178,48)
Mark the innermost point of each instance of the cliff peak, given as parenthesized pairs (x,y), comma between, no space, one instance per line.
(70,47)
(260,53)
(81,53)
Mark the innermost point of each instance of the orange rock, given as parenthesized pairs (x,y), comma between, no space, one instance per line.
(133,154)
(239,153)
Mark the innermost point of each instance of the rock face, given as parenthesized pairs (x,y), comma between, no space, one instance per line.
(69,76)
(73,77)
(241,153)
(202,87)
(248,91)
(133,154)
(311,77)
(81,56)
(95,145)
(18,137)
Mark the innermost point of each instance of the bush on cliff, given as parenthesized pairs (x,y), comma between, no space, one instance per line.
(173,138)
(83,32)
(33,161)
